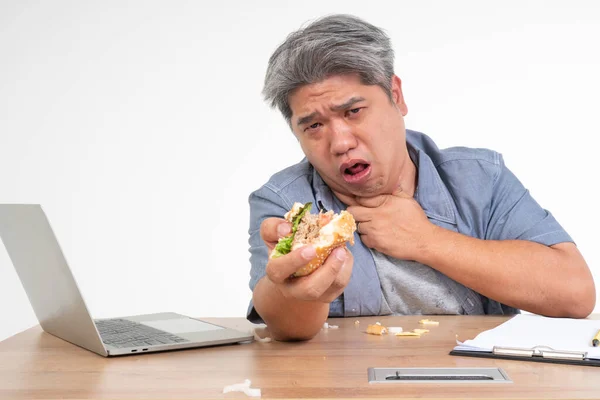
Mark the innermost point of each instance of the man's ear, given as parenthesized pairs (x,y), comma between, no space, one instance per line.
(397,95)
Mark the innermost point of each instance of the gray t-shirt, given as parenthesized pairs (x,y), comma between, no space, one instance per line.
(411,288)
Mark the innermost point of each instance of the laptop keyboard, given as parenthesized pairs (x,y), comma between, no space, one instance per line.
(124,333)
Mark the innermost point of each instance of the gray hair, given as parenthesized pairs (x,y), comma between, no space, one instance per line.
(333,45)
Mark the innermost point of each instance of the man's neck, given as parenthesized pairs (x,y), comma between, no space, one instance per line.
(408,178)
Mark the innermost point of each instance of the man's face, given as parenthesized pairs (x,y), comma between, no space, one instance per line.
(352,133)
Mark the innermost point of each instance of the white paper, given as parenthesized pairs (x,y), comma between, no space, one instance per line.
(528,331)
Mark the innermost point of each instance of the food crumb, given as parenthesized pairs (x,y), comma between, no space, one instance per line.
(414,334)
(243,387)
(376,329)
(266,339)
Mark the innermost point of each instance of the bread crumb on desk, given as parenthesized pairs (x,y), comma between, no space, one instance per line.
(243,387)
(428,322)
(394,329)
(266,339)
(376,329)
(327,326)
(414,334)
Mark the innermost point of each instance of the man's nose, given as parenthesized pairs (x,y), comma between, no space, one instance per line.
(342,138)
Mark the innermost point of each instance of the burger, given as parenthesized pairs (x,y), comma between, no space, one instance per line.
(325,231)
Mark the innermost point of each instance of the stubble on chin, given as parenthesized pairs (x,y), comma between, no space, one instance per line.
(348,197)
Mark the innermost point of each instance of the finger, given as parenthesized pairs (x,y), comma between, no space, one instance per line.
(314,285)
(342,279)
(364,227)
(272,229)
(279,269)
(368,240)
(360,213)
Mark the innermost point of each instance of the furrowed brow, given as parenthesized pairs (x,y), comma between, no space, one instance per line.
(347,104)
(307,118)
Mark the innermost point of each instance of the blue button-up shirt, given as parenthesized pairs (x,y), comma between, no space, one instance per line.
(465,190)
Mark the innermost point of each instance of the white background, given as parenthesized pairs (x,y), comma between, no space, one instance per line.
(140,128)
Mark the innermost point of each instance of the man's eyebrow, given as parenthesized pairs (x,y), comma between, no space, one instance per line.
(307,118)
(348,104)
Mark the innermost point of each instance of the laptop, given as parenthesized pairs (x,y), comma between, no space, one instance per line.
(61,311)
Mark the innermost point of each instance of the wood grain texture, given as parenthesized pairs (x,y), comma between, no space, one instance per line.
(36,365)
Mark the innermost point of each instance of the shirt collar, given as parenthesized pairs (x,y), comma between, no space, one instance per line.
(431,192)
(324,195)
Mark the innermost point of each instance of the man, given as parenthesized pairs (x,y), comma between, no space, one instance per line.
(439,231)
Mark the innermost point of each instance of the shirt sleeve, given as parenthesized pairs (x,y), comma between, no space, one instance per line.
(264,203)
(514,214)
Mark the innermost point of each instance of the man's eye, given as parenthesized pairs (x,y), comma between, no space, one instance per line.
(313,126)
(354,110)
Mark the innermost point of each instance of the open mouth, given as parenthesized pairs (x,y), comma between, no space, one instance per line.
(355,172)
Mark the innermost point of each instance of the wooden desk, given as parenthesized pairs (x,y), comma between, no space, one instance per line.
(36,365)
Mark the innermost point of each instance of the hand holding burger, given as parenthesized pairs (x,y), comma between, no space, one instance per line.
(328,279)
(324,231)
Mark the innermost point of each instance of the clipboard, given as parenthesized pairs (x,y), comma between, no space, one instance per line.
(538,339)
(543,354)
